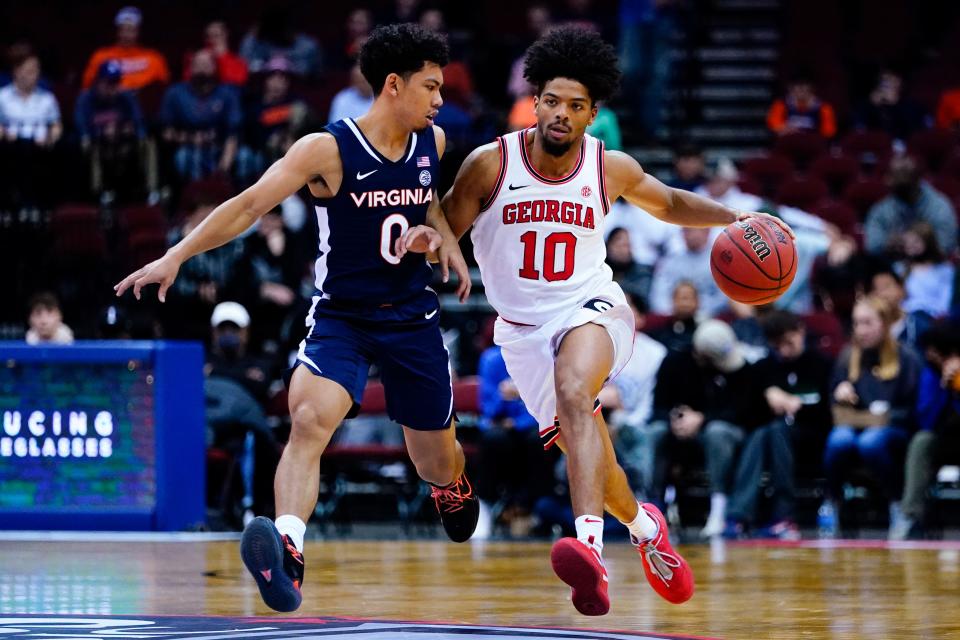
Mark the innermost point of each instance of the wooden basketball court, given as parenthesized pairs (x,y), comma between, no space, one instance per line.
(852,590)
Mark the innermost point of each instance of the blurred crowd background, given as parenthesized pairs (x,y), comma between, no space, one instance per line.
(122,127)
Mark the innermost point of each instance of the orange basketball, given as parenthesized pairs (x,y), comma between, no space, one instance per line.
(753,261)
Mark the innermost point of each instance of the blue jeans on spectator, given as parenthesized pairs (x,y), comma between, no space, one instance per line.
(880,448)
(196,162)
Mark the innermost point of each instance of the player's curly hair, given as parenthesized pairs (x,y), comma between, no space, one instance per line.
(575,53)
(402,49)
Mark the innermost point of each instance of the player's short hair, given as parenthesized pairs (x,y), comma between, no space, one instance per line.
(575,53)
(402,49)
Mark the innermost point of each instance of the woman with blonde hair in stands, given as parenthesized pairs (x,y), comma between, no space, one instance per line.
(874,392)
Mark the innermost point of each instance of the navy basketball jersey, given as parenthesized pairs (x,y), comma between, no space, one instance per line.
(377,201)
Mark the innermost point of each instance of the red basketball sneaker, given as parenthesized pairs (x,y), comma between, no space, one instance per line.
(667,572)
(580,566)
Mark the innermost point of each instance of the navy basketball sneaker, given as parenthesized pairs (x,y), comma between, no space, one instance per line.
(274,563)
(459,508)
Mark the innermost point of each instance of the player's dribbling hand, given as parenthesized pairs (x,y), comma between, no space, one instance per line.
(745,215)
(163,272)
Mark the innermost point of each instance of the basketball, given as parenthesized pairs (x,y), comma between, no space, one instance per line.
(753,261)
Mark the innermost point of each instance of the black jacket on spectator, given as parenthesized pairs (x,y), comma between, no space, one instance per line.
(732,397)
(807,377)
(900,392)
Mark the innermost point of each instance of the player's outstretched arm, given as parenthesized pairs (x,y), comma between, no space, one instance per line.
(626,178)
(471,188)
(309,157)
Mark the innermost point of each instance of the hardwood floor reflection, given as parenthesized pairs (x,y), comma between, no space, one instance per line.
(743,591)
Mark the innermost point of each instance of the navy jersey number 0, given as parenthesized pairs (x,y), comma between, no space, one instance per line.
(377,201)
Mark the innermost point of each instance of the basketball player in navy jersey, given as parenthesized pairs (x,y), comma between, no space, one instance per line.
(536,200)
(373,181)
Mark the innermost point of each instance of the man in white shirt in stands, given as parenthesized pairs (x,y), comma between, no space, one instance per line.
(27,111)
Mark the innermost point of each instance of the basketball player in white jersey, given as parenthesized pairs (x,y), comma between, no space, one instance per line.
(536,200)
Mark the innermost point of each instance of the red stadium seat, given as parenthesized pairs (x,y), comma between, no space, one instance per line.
(466,395)
(801,147)
(837,171)
(933,147)
(864,193)
(374,399)
(142,218)
(769,172)
(77,233)
(826,332)
(877,143)
(840,214)
(146,245)
(802,192)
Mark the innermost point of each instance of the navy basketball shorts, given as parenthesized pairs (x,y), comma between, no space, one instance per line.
(414,363)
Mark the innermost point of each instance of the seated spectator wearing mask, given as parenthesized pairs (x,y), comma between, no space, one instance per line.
(911,200)
(937,442)
(874,395)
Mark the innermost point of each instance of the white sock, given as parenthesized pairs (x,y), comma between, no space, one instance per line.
(590,531)
(718,506)
(294,527)
(643,527)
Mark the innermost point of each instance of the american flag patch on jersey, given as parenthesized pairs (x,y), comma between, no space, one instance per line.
(423,161)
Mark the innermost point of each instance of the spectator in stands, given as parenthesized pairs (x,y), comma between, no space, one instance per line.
(271,268)
(29,129)
(689,167)
(692,264)
(359,24)
(606,127)
(46,321)
(539,22)
(28,112)
(276,35)
(629,398)
(633,278)
(205,279)
(273,121)
(907,328)
(113,137)
(231,68)
(721,185)
(645,30)
(353,100)
(911,200)
(948,110)
(745,320)
(937,442)
(677,334)
(795,382)
(514,469)
(703,398)
(874,394)
(236,389)
(802,110)
(141,66)
(929,275)
(887,110)
(201,119)
(650,237)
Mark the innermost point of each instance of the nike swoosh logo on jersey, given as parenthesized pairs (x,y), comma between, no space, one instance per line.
(431,314)
(513,188)
(361,176)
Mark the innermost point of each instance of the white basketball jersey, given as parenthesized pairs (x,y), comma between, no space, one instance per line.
(539,240)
